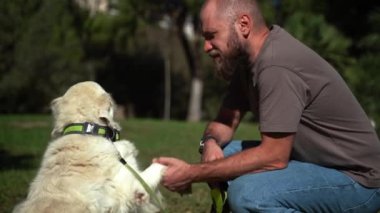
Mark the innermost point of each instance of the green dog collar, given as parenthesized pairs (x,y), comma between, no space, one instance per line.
(92,129)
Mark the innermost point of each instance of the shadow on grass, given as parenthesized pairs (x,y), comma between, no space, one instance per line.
(10,161)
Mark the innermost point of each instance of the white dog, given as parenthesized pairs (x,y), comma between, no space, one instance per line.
(82,169)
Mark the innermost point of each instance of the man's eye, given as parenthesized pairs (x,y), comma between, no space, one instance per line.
(208,36)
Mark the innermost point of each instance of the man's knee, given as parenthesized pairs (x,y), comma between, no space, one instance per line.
(243,196)
(253,194)
(236,198)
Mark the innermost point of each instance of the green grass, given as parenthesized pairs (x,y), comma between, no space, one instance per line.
(23,139)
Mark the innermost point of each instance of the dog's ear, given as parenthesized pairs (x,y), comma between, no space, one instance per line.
(55,106)
(106,111)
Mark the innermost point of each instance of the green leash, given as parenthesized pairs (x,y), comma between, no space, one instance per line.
(113,135)
(145,185)
(219,197)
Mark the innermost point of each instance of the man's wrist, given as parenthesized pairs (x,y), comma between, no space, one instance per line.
(204,140)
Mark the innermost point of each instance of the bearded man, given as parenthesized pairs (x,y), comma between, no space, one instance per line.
(318,151)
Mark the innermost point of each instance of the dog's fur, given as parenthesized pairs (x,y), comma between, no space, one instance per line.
(82,173)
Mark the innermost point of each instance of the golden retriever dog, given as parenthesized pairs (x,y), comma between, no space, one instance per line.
(83,168)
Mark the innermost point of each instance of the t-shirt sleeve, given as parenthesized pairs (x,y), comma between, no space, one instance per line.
(282,99)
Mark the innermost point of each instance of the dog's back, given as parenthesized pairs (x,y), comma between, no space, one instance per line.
(77,174)
(82,172)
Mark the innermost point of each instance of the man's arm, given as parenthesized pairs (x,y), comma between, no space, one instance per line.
(273,153)
(221,131)
(225,124)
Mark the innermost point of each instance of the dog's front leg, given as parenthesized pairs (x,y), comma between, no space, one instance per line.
(153,174)
(152,177)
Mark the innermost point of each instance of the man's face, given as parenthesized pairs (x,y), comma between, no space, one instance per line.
(222,44)
(233,59)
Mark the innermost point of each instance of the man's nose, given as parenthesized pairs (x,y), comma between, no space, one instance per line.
(207,47)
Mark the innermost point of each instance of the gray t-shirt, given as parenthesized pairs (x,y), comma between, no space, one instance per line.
(290,88)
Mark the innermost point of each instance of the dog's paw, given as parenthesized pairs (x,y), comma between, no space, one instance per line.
(157,168)
(153,174)
(154,170)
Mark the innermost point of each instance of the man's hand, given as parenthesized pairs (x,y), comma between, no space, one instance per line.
(178,175)
(211,152)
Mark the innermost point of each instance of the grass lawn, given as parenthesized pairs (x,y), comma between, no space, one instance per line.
(23,140)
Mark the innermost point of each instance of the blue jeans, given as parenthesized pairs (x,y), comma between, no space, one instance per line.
(301,187)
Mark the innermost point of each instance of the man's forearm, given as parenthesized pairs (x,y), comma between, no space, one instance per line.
(221,132)
(273,153)
(224,126)
(229,168)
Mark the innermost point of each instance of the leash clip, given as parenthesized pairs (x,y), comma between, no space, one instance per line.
(90,128)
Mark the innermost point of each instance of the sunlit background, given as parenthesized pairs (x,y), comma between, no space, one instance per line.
(148,53)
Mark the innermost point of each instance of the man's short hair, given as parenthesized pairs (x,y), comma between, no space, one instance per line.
(232,8)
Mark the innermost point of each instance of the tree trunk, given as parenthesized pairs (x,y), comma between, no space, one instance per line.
(191,48)
(167,100)
(195,103)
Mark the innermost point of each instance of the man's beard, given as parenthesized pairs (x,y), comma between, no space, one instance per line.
(237,59)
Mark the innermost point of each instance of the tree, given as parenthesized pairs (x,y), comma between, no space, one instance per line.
(47,58)
(325,39)
(183,14)
(364,76)
(191,45)
(13,17)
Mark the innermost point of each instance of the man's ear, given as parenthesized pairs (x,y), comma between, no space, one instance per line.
(244,25)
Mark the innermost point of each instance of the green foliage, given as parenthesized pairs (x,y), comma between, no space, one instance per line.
(268,11)
(46,45)
(23,140)
(194,6)
(325,39)
(12,23)
(364,76)
(108,33)
(305,6)
(371,41)
(364,80)
(47,58)
(56,46)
